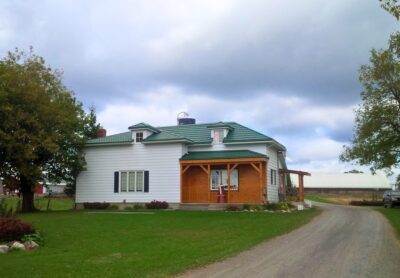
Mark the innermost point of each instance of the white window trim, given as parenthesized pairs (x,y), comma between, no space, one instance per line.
(221,138)
(273,178)
(136,136)
(127,180)
(231,189)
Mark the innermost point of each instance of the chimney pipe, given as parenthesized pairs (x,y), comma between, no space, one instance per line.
(102,132)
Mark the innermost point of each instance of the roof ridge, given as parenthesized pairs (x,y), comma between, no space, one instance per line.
(189,125)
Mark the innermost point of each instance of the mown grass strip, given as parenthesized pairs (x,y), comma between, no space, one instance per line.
(78,244)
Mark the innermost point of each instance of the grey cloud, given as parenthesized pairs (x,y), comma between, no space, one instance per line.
(312,57)
(306,48)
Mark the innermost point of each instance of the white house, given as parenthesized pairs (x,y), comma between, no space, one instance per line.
(186,163)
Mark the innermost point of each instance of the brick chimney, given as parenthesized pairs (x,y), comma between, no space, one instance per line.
(102,132)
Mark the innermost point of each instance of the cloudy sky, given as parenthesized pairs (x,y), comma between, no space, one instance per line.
(286,68)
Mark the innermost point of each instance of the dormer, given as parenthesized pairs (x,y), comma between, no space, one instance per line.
(141,131)
(219,131)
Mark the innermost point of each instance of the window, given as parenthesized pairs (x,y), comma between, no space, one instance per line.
(139,136)
(132,181)
(220,177)
(218,136)
(273,176)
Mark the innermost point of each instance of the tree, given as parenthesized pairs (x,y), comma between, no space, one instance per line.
(91,126)
(354,171)
(42,125)
(376,140)
(90,131)
(392,7)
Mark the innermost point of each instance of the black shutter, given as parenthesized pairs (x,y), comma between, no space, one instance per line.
(146,181)
(116,182)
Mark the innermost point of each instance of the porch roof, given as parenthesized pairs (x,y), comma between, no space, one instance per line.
(211,155)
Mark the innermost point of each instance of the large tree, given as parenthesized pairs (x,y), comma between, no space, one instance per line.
(42,125)
(377,127)
(392,6)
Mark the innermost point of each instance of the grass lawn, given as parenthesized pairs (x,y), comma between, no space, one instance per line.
(393,215)
(156,244)
(340,199)
(41,203)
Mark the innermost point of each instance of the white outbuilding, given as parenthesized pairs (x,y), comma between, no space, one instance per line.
(344,182)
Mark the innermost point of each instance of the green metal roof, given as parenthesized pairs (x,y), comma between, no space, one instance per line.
(193,134)
(165,136)
(220,125)
(144,126)
(200,133)
(222,155)
(121,138)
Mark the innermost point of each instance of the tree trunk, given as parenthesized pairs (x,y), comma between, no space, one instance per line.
(27,195)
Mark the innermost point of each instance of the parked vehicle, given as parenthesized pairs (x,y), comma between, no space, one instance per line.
(391,198)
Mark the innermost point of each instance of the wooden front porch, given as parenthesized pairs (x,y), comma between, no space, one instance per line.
(251,187)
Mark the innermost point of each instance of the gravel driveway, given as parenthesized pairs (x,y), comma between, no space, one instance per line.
(341,242)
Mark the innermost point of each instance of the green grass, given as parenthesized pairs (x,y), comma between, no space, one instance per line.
(341,199)
(163,243)
(318,198)
(41,203)
(393,215)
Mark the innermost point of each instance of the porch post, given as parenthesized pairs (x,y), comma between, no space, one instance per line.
(181,181)
(261,182)
(228,167)
(266,181)
(301,188)
(209,181)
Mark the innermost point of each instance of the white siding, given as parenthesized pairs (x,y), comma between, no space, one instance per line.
(96,184)
(273,163)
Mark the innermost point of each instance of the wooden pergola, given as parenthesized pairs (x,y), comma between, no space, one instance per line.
(300,175)
(259,164)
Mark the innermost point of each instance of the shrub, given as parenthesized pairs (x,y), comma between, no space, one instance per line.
(13,229)
(69,191)
(140,206)
(36,237)
(2,207)
(233,208)
(272,206)
(96,205)
(246,207)
(366,203)
(279,206)
(113,207)
(157,205)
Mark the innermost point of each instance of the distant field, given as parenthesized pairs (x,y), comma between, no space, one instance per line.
(341,199)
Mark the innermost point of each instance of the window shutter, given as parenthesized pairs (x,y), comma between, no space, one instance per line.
(116,182)
(146,181)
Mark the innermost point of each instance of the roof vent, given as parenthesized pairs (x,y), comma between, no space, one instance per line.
(184,119)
